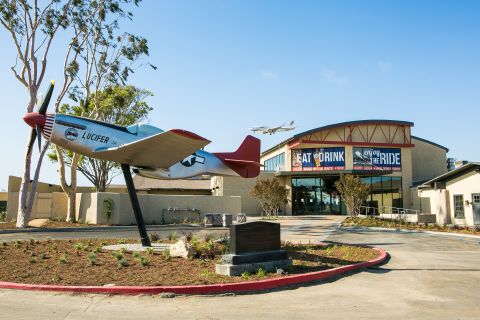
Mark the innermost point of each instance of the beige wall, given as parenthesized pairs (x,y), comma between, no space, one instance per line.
(237,186)
(90,207)
(45,206)
(428,161)
(438,204)
(464,185)
(419,203)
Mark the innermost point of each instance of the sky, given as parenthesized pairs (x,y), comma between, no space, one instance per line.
(225,66)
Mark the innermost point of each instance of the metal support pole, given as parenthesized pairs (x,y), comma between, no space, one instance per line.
(136,206)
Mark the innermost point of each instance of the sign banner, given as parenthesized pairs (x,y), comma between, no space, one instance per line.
(324,159)
(377,159)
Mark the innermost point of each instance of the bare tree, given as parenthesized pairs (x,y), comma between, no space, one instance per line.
(99,58)
(32,30)
(353,191)
(270,194)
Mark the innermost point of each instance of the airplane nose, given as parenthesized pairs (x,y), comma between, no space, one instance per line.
(34,118)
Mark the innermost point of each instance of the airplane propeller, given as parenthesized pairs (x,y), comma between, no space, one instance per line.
(37,119)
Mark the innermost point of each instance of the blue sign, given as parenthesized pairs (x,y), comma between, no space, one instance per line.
(318,159)
(377,159)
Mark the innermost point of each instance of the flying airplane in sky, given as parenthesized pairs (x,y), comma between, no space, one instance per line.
(150,151)
(269,130)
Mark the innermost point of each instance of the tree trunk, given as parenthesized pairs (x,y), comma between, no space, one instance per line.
(23,214)
(70,190)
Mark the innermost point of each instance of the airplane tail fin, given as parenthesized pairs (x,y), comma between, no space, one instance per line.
(245,161)
(291,123)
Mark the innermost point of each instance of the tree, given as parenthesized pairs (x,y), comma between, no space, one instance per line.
(91,25)
(32,30)
(98,57)
(353,191)
(270,194)
(122,105)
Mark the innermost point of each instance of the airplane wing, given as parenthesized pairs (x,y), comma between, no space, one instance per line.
(158,151)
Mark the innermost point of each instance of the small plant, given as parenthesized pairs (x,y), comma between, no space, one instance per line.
(4,244)
(108,209)
(92,258)
(3,216)
(123,250)
(150,250)
(261,273)
(118,255)
(245,275)
(32,260)
(205,273)
(97,250)
(166,254)
(42,256)
(136,255)
(144,261)
(78,246)
(63,259)
(173,236)
(154,237)
(122,263)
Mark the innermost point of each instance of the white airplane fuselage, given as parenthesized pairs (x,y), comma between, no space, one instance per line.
(87,137)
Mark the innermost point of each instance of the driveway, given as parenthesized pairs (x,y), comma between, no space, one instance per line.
(428,277)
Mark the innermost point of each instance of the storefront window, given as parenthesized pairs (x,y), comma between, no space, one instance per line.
(385,191)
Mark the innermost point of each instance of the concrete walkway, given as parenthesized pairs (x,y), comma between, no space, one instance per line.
(428,277)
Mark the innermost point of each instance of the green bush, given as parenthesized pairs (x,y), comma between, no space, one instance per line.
(166,254)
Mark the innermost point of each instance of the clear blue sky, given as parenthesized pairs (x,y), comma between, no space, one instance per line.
(224,66)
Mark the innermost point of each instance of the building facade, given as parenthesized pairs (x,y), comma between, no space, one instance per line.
(382,152)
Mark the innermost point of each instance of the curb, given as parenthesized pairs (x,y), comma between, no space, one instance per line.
(438,233)
(251,286)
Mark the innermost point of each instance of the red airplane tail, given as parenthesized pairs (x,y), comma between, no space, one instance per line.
(246,160)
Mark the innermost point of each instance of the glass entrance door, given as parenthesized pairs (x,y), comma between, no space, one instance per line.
(315,196)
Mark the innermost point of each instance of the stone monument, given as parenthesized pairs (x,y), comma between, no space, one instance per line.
(253,245)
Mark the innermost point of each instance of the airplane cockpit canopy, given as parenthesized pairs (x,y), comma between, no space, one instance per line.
(143,129)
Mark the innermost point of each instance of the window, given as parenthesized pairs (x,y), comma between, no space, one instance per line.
(385,191)
(458,207)
(276,163)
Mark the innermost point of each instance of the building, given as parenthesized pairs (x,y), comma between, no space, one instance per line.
(382,152)
(454,197)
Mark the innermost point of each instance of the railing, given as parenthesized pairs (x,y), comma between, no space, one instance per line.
(397,213)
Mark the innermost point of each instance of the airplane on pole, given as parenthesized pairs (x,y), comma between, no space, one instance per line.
(148,150)
(272,130)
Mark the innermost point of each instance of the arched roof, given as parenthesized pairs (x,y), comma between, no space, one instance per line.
(340,125)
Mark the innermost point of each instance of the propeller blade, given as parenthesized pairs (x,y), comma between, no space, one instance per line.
(39,135)
(43,108)
(33,136)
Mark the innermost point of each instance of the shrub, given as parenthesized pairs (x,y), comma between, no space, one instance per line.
(166,254)
(4,244)
(136,254)
(245,275)
(78,246)
(144,261)
(42,256)
(97,250)
(92,258)
(173,236)
(261,272)
(63,259)
(32,260)
(122,263)
(154,237)
(3,216)
(108,209)
(118,255)
(150,250)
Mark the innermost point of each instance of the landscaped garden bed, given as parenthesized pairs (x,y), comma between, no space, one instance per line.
(85,263)
(395,224)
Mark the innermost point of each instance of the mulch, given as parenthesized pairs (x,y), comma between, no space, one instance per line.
(69,262)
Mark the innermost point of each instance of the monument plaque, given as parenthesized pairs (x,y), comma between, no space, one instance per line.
(253,245)
(254,237)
